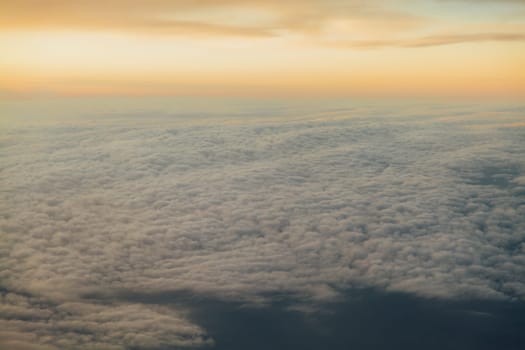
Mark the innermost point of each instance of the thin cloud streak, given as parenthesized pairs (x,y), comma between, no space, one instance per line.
(216,18)
(219,18)
(434,40)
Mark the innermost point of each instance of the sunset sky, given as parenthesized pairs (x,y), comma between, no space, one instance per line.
(263,48)
(262,174)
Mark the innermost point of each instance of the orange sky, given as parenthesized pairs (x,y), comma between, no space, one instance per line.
(267,48)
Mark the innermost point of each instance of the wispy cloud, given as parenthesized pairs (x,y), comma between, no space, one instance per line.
(234,18)
(433,40)
(175,17)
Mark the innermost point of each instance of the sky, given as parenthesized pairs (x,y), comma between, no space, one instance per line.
(243,174)
(351,48)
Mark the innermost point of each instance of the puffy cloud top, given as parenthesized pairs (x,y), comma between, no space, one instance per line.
(427,201)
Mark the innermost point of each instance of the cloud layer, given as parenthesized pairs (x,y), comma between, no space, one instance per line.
(428,201)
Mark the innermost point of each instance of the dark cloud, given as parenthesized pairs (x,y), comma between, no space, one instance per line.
(363,318)
(367,320)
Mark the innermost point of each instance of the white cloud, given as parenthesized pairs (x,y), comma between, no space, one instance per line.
(386,199)
(28,322)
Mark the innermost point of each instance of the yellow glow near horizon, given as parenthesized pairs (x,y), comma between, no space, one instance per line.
(260,51)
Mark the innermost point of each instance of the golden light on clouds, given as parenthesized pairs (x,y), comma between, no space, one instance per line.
(233,47)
